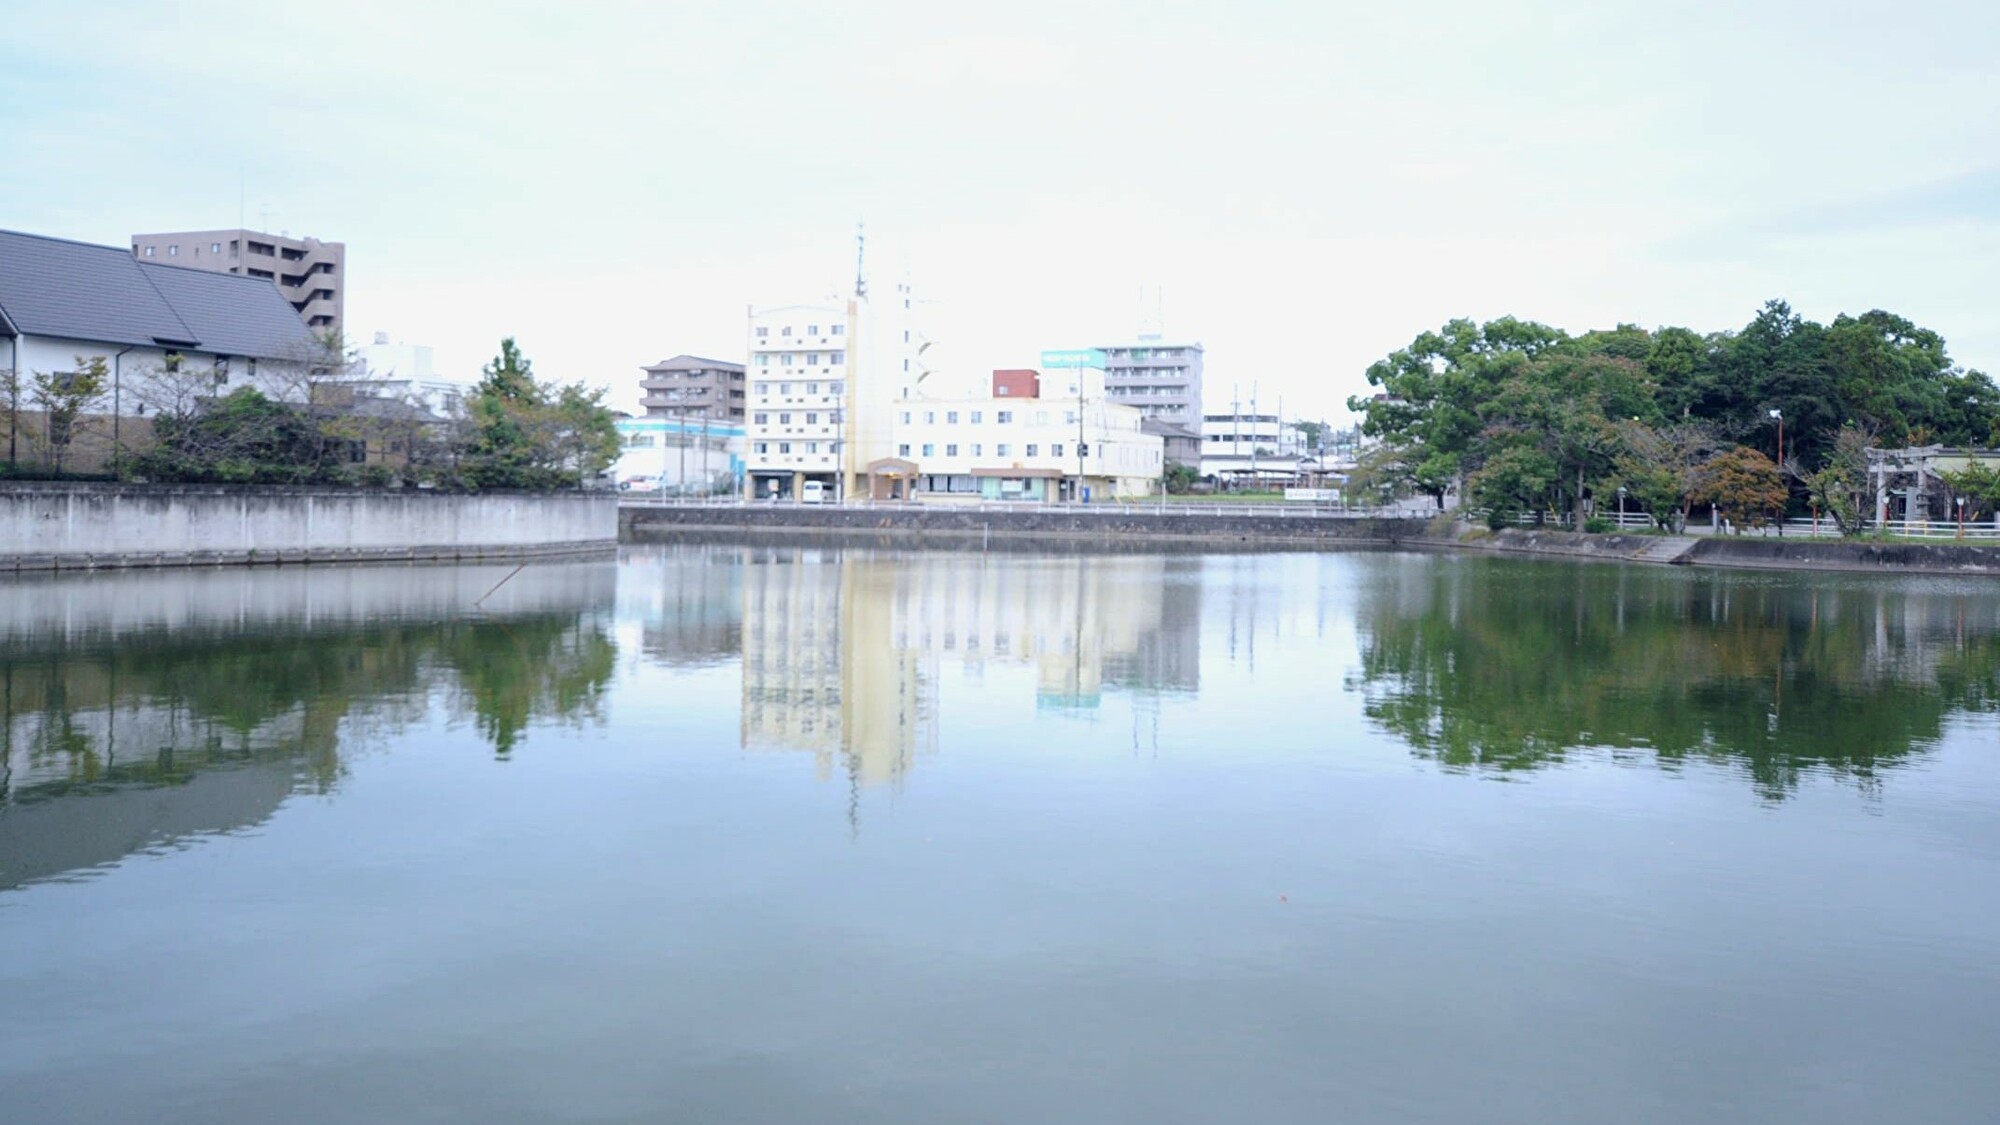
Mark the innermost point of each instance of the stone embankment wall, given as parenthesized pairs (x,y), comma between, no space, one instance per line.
(81,526)
(973,524)
(1207,531)
(1827,554)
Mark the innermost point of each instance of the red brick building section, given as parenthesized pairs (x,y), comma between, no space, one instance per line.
(1017,382)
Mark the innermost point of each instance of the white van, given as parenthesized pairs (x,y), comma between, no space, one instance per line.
(812,492)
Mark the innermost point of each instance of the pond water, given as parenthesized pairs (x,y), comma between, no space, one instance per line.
(721,832)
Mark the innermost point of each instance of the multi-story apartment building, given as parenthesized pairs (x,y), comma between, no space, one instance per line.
(1246,446)
(311,274)
(823,383)
(1161,380)
(1035,436)
(689,386)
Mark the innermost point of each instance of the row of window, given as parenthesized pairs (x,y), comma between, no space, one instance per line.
(1003,449)
(174,249)
(786,446)
(801,359)
(764,333)
(977,417)
(785,418)
(810,388)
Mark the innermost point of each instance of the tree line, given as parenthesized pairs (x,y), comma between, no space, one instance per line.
(1519,417)
(313,419)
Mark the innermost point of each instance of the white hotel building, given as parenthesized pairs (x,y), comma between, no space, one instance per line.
(823,381)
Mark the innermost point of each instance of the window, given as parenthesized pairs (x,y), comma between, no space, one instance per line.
(785,419)
(764,359)
(1001,449)
(951,417)
(173,361)
(812,388)
(978,450)
(148,251)
(763,388)
(1069,417)
(786,359)
(216,248)
(785,331)
(903,450)
(763,333)
(639,441)
(812,447)
(1041,417)
(1003,416)
(1033,449)
(951,451)
(812,329)
(812,359)
(174,251)
(906,335)
(1055,450)
(836,388)
(784,388)
(840,329)
(836,357)
(812,419)
(906,417)
(930,417)
(906,365)
(1002,391)
(928,447)
(761,418)
(976,416)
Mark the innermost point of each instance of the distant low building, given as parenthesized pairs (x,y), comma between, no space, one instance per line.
(1180,444)
(404,371)
(690,386)
(681,456)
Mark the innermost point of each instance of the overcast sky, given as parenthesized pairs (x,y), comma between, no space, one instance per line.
(1309,184)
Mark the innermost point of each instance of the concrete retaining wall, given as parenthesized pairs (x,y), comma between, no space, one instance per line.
(970,524)
(65,526)
(1824,554)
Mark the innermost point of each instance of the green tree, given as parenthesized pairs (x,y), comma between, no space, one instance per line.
(243,437)
(1180,479)
(64,397)
(1840,486)
(525,434)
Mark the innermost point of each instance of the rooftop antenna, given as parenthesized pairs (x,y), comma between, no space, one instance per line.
(1151,323)
(860,257)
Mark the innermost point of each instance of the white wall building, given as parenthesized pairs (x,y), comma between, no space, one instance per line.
(682,456)
(1033,436)
(823,383)
(404,371)
(1242,446)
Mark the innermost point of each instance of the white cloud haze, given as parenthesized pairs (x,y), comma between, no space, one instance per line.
(1310,184)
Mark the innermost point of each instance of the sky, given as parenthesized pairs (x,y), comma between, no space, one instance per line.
(1306,186)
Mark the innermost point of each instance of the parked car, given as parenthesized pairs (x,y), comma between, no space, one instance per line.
(639,483)
(813,492)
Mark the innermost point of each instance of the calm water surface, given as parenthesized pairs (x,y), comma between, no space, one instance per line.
(727,833)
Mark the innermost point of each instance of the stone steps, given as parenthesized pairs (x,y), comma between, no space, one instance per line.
(1668,549)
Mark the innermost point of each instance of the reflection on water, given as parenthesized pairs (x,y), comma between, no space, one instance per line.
(1173,837)
(842,650)
(141,710)
(1509,665)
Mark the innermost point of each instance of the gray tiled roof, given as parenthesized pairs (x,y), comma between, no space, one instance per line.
(233,315)
(74,290)
(102,294)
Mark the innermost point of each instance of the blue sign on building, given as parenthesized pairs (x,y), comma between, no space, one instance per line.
(1074,357)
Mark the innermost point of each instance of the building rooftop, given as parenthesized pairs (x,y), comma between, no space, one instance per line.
(102,294)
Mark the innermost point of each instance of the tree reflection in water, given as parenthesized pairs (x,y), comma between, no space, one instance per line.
(1504,665)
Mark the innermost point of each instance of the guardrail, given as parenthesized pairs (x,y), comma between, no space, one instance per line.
(1279,509)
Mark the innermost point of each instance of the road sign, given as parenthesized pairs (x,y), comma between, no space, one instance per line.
(1074,357)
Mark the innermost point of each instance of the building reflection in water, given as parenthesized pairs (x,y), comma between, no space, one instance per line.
(143,710)
(842,649)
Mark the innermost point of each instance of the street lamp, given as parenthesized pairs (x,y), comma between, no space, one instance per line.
(1961,517)
(1621,507)
(1780,416)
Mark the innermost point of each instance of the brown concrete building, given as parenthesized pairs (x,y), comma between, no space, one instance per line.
(311,274)
(688,386)
(1016,382)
